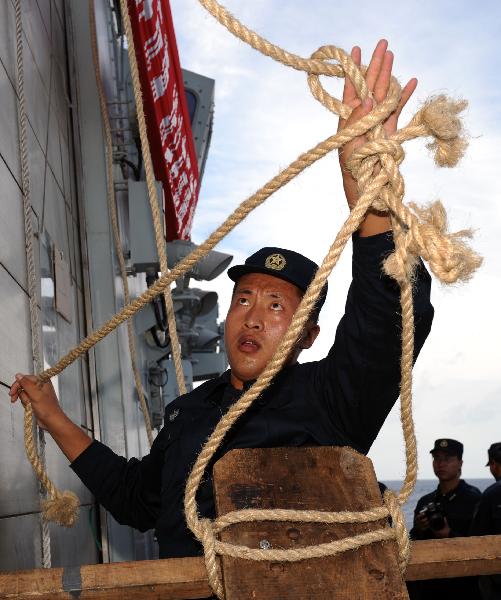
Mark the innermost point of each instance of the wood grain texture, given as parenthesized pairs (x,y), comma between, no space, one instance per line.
(181,578)
(321,478)
(455,557)
(172,579)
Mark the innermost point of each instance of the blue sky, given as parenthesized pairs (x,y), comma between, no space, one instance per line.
(265,116)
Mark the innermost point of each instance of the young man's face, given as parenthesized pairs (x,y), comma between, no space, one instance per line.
(261,310)
(446,467)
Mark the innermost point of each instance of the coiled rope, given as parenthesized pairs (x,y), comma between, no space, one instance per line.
(417,231)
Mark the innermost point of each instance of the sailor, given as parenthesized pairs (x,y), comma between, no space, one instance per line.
(340,400)
(487,519)
(444,513)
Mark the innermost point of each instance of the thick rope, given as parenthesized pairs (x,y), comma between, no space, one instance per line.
(110,194)
(29,422)
(153,198)
(416,232)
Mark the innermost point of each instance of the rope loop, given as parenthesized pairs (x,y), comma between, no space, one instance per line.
(209,544)
(398,524)
(209,529)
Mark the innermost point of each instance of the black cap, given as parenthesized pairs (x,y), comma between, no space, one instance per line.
(494,453)
(452,447)
(284,264)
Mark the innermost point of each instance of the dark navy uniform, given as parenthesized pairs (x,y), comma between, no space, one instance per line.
(340,400)
(487,521)
(458,506)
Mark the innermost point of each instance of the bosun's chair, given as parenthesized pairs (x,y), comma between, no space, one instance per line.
(319,478)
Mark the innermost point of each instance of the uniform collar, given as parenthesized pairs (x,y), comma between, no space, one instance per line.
(450,495)
(222,389)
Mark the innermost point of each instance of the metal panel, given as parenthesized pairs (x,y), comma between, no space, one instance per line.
(76,545)
(37,38)
(18,488)
(15,353)
(72,260)
(77,274)
(54,157)
(37,99)
(8,125)
(37,173)
(7,38)
(20,542)
(12,251)
(53,219)
(67,167)
(55,211)
(118,411)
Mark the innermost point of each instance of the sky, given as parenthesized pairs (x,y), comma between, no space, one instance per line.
(265,117)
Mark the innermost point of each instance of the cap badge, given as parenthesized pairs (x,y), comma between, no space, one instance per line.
(276,262)
(443,444)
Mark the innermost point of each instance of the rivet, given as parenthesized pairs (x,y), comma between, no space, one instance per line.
(265,545)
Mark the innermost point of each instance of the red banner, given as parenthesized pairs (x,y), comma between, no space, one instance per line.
(167,119)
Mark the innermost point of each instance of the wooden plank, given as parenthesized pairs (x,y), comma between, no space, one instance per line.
(320,478)
(172,579)
(180,578)
(455,557)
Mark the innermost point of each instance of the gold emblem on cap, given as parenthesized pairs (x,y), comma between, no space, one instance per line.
(275,261)
(443,444)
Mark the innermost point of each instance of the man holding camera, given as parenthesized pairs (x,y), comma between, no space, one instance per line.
(446,512)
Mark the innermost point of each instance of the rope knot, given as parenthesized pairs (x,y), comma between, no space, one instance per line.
(449,256)
(62,508)
(379,153)
(208,539)
(439,116)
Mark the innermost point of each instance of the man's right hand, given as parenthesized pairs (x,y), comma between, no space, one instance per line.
(42,398)
(68,436)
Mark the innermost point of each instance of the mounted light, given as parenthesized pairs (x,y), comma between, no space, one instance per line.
(206,269)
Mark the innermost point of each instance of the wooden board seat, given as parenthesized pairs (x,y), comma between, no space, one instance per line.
(320,478)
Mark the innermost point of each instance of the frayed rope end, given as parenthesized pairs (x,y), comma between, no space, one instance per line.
(440,116)
(450,258)
(63,509)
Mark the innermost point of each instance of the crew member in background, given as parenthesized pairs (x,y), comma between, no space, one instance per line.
(447,512)
(487,519)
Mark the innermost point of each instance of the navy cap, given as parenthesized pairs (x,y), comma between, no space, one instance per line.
(494,453)
(452,447)
(284,264)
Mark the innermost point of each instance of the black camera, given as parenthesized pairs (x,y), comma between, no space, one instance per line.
(436,517)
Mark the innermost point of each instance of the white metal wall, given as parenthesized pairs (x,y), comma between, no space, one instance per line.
(55,214)
(68,183)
